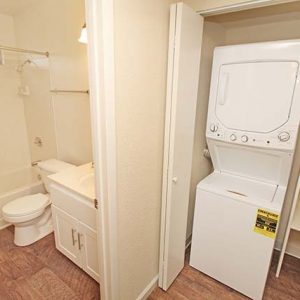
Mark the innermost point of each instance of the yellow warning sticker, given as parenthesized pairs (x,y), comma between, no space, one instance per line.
(266,223)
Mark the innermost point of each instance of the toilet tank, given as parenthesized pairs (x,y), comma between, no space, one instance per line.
(51,166)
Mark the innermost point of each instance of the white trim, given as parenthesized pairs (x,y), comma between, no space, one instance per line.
(167,140)
(100,20)
(148,289)
(241,6)
(293,250)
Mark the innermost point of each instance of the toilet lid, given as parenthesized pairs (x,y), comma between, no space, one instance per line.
(26,205)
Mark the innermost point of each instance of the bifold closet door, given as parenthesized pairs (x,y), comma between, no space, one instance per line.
(185,40)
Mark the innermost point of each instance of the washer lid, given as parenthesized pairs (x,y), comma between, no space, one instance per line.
(26,205)
(240,188)
(255,96)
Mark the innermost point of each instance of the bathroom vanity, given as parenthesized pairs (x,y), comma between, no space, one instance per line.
(74,217)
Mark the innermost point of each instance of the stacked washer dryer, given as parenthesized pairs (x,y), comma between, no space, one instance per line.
(252,128)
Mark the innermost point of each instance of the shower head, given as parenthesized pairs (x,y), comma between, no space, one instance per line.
(21,66)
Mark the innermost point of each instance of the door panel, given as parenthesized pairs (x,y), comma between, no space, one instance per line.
(183,75)
(66,234)
(88,241)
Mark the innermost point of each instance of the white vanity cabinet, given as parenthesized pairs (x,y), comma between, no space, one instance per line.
(74,219)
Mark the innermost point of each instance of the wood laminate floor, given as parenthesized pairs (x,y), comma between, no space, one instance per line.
(40,272)
(194,285)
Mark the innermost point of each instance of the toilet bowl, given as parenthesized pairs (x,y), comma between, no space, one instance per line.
(31,215)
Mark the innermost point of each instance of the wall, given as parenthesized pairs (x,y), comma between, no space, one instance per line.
(54,26)
(14,150)
(141,43)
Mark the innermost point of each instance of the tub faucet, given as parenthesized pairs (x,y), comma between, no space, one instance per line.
(35,163)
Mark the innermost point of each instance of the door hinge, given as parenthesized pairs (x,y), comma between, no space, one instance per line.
(96,203)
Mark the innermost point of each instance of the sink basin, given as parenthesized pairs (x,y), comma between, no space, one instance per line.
(79,179)
(87,182)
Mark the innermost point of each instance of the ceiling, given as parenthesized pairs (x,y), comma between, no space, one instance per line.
(12,7)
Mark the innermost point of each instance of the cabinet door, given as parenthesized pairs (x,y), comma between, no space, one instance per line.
(183,76)
(66,235)
(88,244)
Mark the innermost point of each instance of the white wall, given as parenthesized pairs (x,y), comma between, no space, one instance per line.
(54,26)
(14,150)
(7,31)
(141,42)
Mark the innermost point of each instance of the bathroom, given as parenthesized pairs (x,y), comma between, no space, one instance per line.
(45,121)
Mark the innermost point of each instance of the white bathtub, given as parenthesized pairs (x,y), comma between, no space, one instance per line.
(17,184)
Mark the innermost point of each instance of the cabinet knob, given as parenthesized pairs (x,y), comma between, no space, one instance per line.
(175,179)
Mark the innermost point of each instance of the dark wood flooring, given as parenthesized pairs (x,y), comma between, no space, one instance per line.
(39,272)
(194,285)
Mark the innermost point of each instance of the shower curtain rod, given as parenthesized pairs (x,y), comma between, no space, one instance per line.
(70,91)
(6,48)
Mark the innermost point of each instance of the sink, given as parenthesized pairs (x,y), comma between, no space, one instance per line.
(87,182)
(79,179)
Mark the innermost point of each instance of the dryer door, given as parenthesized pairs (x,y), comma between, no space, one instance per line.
(256,96)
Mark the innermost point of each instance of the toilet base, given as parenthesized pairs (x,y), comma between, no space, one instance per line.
(29,232)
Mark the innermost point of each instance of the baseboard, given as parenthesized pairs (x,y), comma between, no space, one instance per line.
(148,289)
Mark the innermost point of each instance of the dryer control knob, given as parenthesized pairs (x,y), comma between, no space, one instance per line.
(233,137)
(213,127)
(244,139)
(283,136)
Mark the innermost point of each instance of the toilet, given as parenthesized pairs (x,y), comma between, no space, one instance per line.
(31,215)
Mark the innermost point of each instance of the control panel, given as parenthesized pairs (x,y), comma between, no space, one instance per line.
(282,138)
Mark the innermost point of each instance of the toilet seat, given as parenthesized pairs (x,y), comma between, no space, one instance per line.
(25,208)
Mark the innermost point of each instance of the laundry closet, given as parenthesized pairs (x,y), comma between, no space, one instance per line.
(271,23)
(279,22)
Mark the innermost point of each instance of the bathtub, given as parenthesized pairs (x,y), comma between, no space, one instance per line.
(18,184)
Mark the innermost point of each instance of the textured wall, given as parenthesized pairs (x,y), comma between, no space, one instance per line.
(141,62)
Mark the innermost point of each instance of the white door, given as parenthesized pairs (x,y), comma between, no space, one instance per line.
(185,40)
(66,235)
(88,245)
